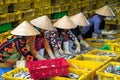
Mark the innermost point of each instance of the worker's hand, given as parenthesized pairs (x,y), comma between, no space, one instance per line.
(61,51)
(112,32)
(39,57)
(78,49)
(84,43)
(109,32)
(110,37)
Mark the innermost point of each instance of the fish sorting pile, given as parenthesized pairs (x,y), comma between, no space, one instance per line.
(22,74)
(98,41)
(113,69)
(73,76)
(107,54)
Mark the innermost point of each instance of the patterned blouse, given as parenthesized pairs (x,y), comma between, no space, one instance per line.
(56,39)
(39,42)
(12,45)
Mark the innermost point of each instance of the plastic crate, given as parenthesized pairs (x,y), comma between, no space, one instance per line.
(64,1)
(42,3)
(56,9)
(97,43)
(18,15)
(3,9)
(1,2)
(4,35)
(87,8)
(97,52)
(73,6)
(72,1)
(11,17)
(114,45)
(61,14)
(106,47)
(3,19)
(45,3)
(101,3)
(90,58)
(93,2)
(65,7)
(1,38)
(58,15)
(4,70)
(117,35)
(107,76)
(83,75)
(86,66)
(116,41)
(37,5)
(58,2)
(20,6)
(117,14)
(73,11)
(84,57)
(113,21)
(48,68)
(46,10)
(85,3)
(79,4)
(28,13)
(30,18)
(38,12)
(55,2)
(5,27)
(11,1)
(24,0)
(8,75)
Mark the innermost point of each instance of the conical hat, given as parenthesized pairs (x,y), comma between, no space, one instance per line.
(64,23)
(25,29)
(43,23)
(105,11)
(79,19)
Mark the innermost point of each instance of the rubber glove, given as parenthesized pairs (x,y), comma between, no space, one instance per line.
(39,57)
(61,51)
(78,49)
(85,44)
(108,32)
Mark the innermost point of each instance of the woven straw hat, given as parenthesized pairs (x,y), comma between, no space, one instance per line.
(25,29)
(64,23)
(105,11)
(79,19)
(43,23)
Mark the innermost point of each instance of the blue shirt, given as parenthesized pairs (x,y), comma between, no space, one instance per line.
(96,21)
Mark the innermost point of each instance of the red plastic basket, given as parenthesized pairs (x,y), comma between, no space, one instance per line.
(48,68)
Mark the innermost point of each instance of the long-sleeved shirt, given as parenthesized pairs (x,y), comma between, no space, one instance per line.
(96,23)
(55,39)
(12,45)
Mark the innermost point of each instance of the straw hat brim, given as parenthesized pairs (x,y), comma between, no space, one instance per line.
(64,23)
(42,23)
(25,29)
(79,19)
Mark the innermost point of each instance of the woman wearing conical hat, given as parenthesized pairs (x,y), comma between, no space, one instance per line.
(62,35)
(14,46)
(97,23)
(80,20)
(43,24)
